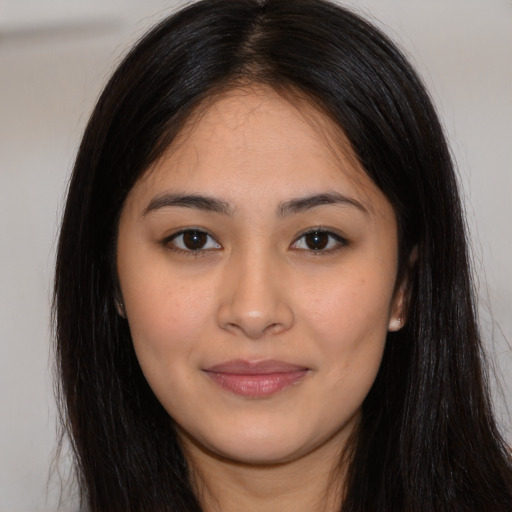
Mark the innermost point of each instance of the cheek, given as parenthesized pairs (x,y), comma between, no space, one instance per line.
(350,304)
(165,318)
(166,325)
(350,326)
(350,320)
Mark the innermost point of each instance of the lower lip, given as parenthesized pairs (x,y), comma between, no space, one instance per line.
(256,385)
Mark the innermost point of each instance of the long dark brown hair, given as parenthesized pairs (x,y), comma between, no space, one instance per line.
(427,439)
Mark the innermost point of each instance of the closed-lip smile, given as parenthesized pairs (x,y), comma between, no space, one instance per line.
(256,379)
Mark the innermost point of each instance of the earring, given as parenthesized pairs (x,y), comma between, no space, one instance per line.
(120,309)
(396,323)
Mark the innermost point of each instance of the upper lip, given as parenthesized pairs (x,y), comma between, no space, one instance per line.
(266,366)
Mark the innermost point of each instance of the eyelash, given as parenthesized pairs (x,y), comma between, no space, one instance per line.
(169,242)
(332,238)
(335,241)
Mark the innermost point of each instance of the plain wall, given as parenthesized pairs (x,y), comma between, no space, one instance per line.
(48,85)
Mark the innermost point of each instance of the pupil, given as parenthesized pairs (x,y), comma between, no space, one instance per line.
(194,240)
(317,240)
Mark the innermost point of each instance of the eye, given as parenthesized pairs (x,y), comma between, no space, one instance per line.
(192,240)
(319,240)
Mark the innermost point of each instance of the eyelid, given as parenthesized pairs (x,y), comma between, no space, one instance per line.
(167,241)
(341,240)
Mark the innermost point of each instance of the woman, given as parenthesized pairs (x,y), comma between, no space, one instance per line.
(262,293)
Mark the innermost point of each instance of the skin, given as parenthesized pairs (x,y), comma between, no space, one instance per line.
(257,291)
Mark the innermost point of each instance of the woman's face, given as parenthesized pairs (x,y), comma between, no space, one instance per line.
(257,265)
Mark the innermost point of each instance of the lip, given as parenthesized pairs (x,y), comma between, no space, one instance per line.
(256,379)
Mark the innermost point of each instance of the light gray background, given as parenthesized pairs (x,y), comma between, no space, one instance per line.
(55,55)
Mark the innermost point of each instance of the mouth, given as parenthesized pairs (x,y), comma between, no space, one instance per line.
(256,379)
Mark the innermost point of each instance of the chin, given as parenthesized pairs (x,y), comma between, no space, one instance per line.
(253,446)
(260,453)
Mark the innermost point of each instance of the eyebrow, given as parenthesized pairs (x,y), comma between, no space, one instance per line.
(200,202)
(306,203)
(212,204)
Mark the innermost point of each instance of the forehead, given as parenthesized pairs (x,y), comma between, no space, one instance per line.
(258,139)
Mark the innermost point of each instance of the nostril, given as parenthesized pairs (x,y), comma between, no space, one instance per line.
(242,314)
(273,328)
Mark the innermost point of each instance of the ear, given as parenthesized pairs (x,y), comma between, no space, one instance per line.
(397,318)
(118,302)
(120,309)
(400,304)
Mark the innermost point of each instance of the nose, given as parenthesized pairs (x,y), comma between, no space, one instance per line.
(254,300)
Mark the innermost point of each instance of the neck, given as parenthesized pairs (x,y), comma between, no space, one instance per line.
(311,483)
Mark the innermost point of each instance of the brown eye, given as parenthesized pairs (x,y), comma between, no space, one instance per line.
(317,240)
(320,241)
(193,240)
